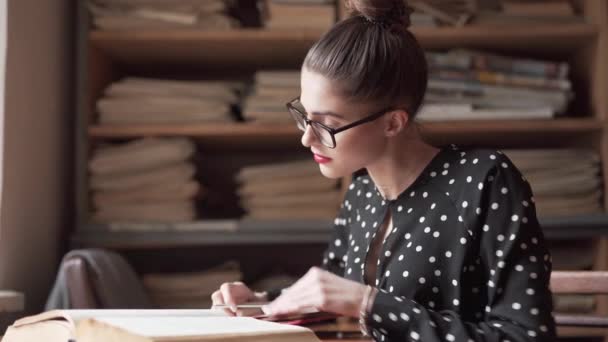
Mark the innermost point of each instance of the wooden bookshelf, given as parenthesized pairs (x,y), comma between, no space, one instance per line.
(105,56)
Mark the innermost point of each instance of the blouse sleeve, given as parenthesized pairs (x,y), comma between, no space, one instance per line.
(518,265)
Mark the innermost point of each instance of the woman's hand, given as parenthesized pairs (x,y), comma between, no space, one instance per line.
(235,293)
(321,290)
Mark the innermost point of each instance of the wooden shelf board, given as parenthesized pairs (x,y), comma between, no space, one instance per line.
(243,232)
(581,332)
(458,132)
(264,48)
(516,37)
(273,48)
(200,233)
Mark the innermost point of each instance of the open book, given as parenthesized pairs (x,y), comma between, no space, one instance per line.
(150,326)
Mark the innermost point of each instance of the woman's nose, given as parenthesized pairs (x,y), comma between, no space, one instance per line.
(308,136)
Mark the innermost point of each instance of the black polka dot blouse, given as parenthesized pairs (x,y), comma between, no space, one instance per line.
(466,258)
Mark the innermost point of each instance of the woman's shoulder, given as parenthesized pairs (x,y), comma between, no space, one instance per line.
(478,160)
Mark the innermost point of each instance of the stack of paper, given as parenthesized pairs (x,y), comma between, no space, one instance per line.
(155,101)
(564,181)
(146,180)
(573,255)
(300,14)
(191,289)
(468,85)
(292,190)
(162,14)
(271,91)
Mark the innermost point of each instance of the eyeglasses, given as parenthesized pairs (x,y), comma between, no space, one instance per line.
(326,135)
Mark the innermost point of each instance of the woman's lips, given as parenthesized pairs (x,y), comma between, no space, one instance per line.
(321,159)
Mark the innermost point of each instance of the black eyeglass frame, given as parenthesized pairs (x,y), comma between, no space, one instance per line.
(334,131)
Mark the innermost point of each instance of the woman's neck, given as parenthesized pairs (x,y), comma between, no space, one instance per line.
(403,161)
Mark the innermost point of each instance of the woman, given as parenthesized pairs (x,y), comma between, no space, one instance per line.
(429,244)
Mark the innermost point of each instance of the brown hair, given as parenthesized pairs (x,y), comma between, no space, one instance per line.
(373,56)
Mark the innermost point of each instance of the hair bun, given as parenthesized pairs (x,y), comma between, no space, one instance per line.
(381,11)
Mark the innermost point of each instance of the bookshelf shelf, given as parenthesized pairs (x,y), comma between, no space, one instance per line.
(238,134)
(510,37)
(217,48)
(288,48)
(241,232)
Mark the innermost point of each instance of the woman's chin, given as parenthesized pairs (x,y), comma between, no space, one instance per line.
(331,172)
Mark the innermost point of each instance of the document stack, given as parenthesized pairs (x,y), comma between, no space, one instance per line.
(162,14)
(146,180)
(573,255)
(156,101)
(191,290)
(469,85)
(271,91)
(565,182)
(290,190)
(299,14)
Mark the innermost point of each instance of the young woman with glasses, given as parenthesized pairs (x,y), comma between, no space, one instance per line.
(429,244)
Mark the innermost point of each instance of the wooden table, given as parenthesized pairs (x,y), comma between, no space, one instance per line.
(344,329)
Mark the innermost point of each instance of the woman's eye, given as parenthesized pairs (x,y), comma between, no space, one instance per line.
(331,124)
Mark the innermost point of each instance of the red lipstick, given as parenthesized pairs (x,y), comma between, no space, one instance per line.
(321,159)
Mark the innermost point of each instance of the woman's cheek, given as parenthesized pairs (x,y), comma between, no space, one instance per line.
(352,153)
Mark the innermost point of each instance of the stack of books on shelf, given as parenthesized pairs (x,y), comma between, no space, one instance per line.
(517,12)
(442,12)
(271,91)
(299,14)
(573,255)
(469,85)
(145,180)
(284,191)
(496,12)
(189,290)
(162,14)
(565,182)
(157,101)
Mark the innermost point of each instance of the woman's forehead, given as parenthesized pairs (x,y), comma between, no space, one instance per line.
(320,94)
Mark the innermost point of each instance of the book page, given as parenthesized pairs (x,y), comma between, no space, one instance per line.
(183,326)
(144,313)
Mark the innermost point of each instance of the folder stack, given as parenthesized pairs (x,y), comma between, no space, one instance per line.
(189,290)
(146,180)
(565,182)
(162,14)
(573,255)
(476,85)
(271,91)
(289,190)
(299,14)
(158,101)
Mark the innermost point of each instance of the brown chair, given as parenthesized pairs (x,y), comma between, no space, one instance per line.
(97,279)
(580,282)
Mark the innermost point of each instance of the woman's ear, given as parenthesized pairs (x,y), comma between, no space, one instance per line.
(397,120)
